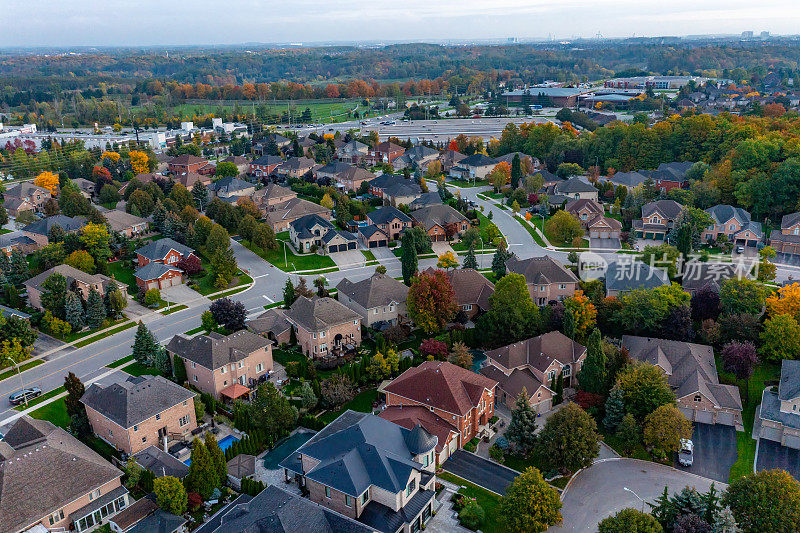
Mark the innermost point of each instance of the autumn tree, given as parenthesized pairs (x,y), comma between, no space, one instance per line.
(500,175)
(97,240)
(780,338)
(447,261)
(530,505)
(664,429)
(431,301)
(583,311)
(768,500)
(47,180)
(460,355)
(563,228)
(786,301)
(140,163)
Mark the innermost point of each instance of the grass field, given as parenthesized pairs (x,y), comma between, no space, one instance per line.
(529,229)
(86,342)
(138,369)
(361,403)
(25,366)
(123,273)
(40,399)
(321,111)
(489,501)
(120,362)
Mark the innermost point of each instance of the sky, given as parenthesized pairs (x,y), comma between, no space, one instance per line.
(65,23)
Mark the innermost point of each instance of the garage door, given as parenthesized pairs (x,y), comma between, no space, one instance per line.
(705,417)
(688,413)
(333,248)
(726,418)
(771,433)
(382,243)
(593,235)
(343,247)
(604,235)
(792,441)
(374,244)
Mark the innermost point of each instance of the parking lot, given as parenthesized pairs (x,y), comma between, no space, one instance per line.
(714,451)
(772,455)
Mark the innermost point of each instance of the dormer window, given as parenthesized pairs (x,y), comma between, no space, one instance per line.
(411,486)
(698,398)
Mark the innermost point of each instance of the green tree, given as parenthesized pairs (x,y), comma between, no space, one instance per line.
(644,388)
(470,261)
(179,373)
(664,428)
(54,293)
(114,300)
(629,521)
(264,237)
(144,345)
(664,256)
(768,500)
(780,338)
(161,361)
(217,458)
(516,171)
(645,311)
(592,376)
(530,505)
(152,297)
(223,267)
(170,494)
(226,169)
(208,321)
(95,310)
(288,293)
(628,433)
(512,316)
(741,296)
(522,429)
(200,196)
(563,227)
(272,412)
(307,397)
(202,477)
(408,259)
(615,409)
(499,262)
(73,311)
(218,240)
(569,439)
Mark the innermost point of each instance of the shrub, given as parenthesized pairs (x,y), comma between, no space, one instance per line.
(152,297)
(472,515)
(501,443)
(496,453)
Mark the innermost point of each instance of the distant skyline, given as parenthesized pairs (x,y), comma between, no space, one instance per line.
(204,22)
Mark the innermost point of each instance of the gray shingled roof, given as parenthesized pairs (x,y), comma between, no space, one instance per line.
(668,208)
(722,213)
(304,224)
(153,270)
(315,314)
(403,188)
(790,220)
(43,226)
(477,160)
(386,214)
(433,215)
(69,272)
(789,387)
(230,185)
(624,276)
(272,320)
(377,290)
(214,351)
(135,400)
(425,199)
(161,463)
(158,250)
(542,270)
(574,185)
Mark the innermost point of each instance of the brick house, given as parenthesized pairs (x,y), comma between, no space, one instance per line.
(471,288)
(193,178)
(158,276)
(658,218)
(265,165)
(531,365)
(53,482)
(280,216)
(474,167)
(352,152)
(450,158)
(369,469)
(352,178)
(462,398)
(592,217)
(140,412)
(547,279)
(379,185)
(224,366)
(25,196)
(379,298)
(735,224)
(441,222)
(77,280)
(385,152)
(692,373)
(232,188)
(185,163)
(272,195)
(390,220)
(787,239)
(779,412)
(272,324)
(295,167)
(324,325)
(403,192)
(313,230)
(39,231)
(126,224)
(166,251)
(372,236)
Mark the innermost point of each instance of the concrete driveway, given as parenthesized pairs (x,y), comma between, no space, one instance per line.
(383,253)
(772,455)
(442,247)
(179,294)
(599,490)
(348,259)
(480,471)
(714,451)
(607,244)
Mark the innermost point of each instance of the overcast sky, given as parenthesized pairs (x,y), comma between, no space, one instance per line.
(166,22)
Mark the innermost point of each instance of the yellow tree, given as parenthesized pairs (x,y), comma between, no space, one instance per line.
(434,169)
(327,201)
(47,180)
(140,163)
(584,312)
(97,241)
(447,261)
(113,156)
(785,302)
(500,175)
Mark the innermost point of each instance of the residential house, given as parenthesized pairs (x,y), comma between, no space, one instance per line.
(77,280)
(415,158)
(126,224)
(509,158)
(295,167)
(352,152)
(460,397)
(160,462)
(627,275)
(371,470)
(402,192)
(39,231)
(670,176)
(272,324)
(548,178)
(352,178)
(140,412)
(191,179)
(265,165)
(574,188)
(533,365)
(547,279)
(444,428)
(272,195)
(629,180)
(593,219)
(185,163)
(25,196)
(86,187)
(441,222)
(472,290)
(229,188)
(324,326)
(331,170)
(379,298)
(17,206)
(699,274)
(372,236)
(166,251)
(313,230)
(426,199)
(9,243)
(474,167)
(385,152)
(224,366)
(158,276)
(279,216)
(53,482)
(241,162)
(692,373)
(658,218)
(779,412)
(787,239)
(735,223)
(449,159)
(144,516)
(390,220)
(142,179)
(280,141)
(379,185)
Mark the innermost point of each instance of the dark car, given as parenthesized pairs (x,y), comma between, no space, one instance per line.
(27,394)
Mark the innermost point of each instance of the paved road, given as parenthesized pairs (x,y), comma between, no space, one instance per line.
(599,491)
(480,471)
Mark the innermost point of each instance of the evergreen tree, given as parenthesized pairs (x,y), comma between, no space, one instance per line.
(615,409)
(569,323)
(161,361)
(73,311)
(628,433)
(179,370)
(200,195)
(18,268)
(559,396)
(499,263)
(95,310)
(159,216)
(522,429)
(288,294)
(217,458)
(470,261)
(516,171)
(144,345)
(592,377)
(202,477)
(408,259)
(307,397)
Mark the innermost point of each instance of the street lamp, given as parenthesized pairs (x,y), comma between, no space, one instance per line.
(21,383)
(639,497)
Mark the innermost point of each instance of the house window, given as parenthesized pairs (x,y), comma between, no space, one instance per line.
(365,497)
(144,439)
(183,420)
(542,288)
(110,432)
(347,501)
(58,516)
(185,403)
(562,286)
(322,335)
(327,492)
(158,416)
(195,378)
(551,374)
(314,336)
(566,371)
(698,398)
(94,494)
(259,367)
(425,461)
(355,321)
(223,370)
(411,486)
(240,365)
(467,307)
(194,365)
(135,427)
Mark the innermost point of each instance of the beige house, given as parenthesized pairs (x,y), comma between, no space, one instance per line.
(39,231)
(25,196)
(125,223)
(779,412)
(281,215)
(140,412)
(379,298)
(532,365)
(224,366)
(735,224)
(471,288)
(50,481)
(547,279)
(272,195)
(324,326)
(657,219)
(82,282)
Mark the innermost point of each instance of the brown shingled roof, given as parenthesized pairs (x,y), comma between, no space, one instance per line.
(538,352)
(410,416)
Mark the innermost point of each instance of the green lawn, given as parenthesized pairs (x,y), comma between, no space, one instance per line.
(292,262)
(489,501)
(542,226)
(536,237)
(25,366)
(123,327)
(40,399)
(138,369)
(362,403)
(120,362)
(122,271)
(55,412)
(465,183)
(368,255)
(325,111)
(3,231)
(174,309)
(81,334)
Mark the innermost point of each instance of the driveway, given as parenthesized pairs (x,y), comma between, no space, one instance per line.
(440,248)
(179,294)
(349,258)
(480,471)
(714,451)
(608,244)
(599,490)
(383,254)
(772,455)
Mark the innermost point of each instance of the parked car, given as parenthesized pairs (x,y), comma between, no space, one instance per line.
(686,453)
(740,249)
(26,394)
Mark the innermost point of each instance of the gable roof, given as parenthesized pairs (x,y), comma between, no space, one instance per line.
(442,385)
(302,226)
(437,215)
(231,184)
(542,270)
(154,270)
(387,147)
(24,189)
(789,386)
(385,180)
(120,220)
(478,160)
(411,416)
(667,208)
(135,400)
(186,159)
(722,213)
(158,250)
(161,463)
(334,167)
(71,273)
(624,276)
(295,208)
(297,163)
(43,226)
(315,314)
(377,290)
(538,352)
(470,287)
(267,160)
(214,351)
(698,274)
(790,220)
(583,203)
(574,185)
(386,214)
(425,199)
(42,469)
(628,179)
(353,147)
(403,188)
(272,320)
(355,173)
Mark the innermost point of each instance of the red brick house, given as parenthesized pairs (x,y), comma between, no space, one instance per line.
(458,396)
(185,163)
(441,222)
(158,276)
(384,152)
(158,264)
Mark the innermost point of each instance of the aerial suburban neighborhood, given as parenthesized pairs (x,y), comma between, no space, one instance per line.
(391,285)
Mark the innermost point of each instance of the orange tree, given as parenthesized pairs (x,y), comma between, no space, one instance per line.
(583,311)
(431,301)
(785,302)
(47,180)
